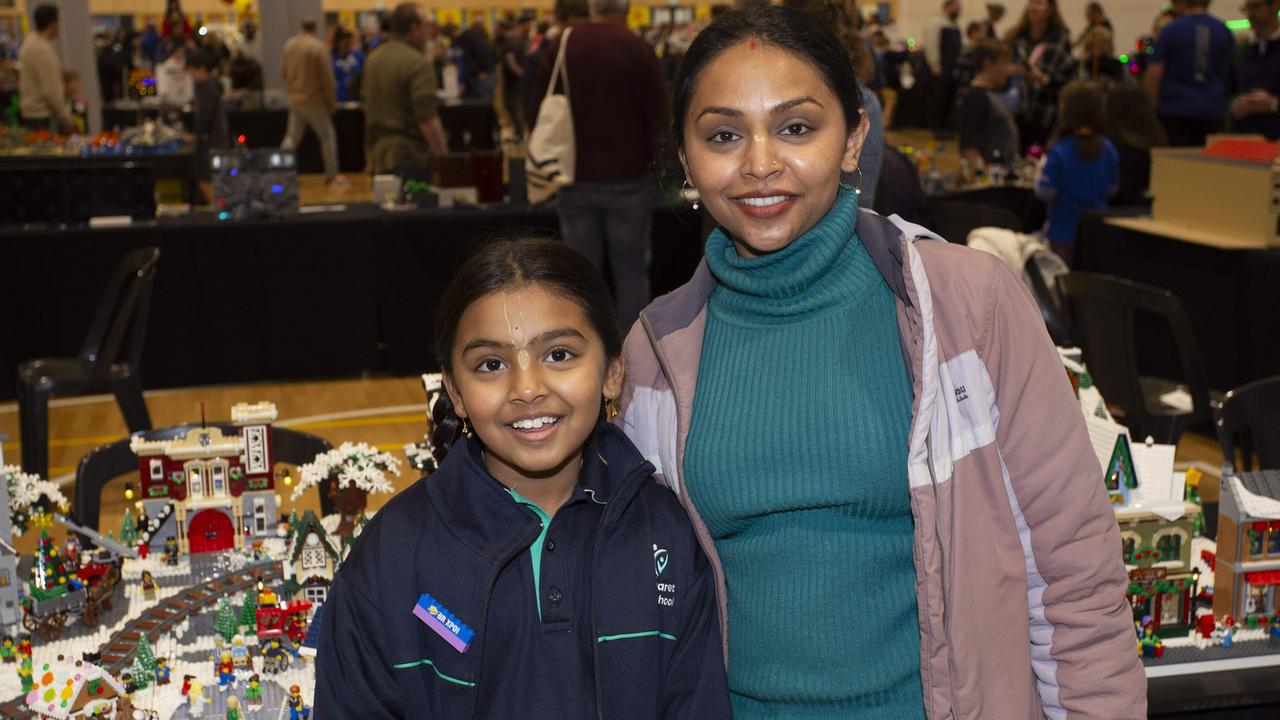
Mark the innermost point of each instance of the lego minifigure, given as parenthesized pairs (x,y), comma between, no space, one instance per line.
(148,586)
(130,687)
(233,708)
(143,550)
(226,671)
(240,654)
(1228,631)
(297,709)
(266,598)
(276,657)
(24,673)
(162,671)
(8,653)
(195,696)
(186,684)
(295,648)
(253,691)
(170,551)
(24,645)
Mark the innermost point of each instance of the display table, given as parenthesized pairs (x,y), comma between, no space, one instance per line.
(468,124)
(1229,294)
(333,294)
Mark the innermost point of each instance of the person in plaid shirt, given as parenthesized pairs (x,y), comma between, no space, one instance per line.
(1042,47)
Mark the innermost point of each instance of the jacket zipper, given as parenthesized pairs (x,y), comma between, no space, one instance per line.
(484,617)
(595,561)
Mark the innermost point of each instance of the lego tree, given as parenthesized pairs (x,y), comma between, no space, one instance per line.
(142,677)
(224,623)
(49,575)
(292,525)
(128,529)
(249,610)
(145,658)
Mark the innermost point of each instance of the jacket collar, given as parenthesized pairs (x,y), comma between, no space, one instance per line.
(480,512)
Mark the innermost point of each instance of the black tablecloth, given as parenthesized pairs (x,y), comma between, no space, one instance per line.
(313,296)
(1229,295)
(468,124)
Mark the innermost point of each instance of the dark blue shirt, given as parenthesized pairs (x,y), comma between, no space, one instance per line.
(1196,52)
(346,72)
(1259,67)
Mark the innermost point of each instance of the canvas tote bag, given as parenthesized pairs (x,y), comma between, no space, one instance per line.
(549,162)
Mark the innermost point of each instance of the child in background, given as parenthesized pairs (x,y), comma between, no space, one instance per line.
(75,103)
(540,572)
(1081,169)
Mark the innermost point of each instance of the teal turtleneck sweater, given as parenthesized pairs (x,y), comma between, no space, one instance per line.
(797,461)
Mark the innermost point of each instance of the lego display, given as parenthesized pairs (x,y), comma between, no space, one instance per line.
(1247,569)
(100,629)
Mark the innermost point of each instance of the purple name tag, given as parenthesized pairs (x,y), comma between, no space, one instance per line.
(446,625)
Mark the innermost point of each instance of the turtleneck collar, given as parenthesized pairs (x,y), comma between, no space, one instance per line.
(825,268)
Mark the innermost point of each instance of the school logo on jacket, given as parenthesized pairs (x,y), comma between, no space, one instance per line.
(659,561)
(666,590)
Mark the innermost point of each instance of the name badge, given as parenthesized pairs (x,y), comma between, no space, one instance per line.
(446,625)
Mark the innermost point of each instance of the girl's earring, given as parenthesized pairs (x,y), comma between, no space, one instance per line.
(856,188)
(690,194)
(466,428)
(610,409)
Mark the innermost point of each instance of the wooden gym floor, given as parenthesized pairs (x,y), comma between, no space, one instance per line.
(386,412)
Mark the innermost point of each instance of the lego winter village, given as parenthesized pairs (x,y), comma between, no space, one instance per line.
(199,604)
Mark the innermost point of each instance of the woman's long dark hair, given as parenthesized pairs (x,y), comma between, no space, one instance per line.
(1081,114)
(505,264)
(793,30)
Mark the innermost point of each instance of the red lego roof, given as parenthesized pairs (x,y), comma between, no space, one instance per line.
(1257,151)
(1270,577)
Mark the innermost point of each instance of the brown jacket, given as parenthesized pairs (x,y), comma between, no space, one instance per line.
(1019,579)
(308,73)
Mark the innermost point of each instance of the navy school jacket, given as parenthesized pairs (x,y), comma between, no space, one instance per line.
(654,628)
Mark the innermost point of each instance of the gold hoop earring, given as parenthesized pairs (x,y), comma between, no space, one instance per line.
(690,194)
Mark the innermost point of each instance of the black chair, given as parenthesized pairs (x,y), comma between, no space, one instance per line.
(1248,422)
(1103,310)
(108,461)
(1055,320)
(108,361)
(954,220)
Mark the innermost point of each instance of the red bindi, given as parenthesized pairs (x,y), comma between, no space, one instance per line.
(751,44)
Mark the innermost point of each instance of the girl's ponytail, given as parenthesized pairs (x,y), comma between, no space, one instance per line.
(446,426)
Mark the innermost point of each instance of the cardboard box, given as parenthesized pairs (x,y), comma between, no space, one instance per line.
(1236,202)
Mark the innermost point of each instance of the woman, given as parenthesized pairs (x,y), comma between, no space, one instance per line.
(348,62)
(1132,126)
(851,409)
(1042,47)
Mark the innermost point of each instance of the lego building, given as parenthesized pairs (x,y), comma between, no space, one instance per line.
(209,490)
(1248,564)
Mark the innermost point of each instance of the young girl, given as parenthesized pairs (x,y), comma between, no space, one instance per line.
(540,572)
(1081,169)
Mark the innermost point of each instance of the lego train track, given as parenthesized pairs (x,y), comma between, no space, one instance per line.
(117,652)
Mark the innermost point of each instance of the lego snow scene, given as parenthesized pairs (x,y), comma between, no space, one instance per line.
(198,602)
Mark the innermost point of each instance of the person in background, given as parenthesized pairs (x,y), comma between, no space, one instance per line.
(617,98)
(942,46)
(995,13)
(1081,169)
(41,95)
(988,132)
(75,102)
(402,128)
(1133,128)
(1256,107)
(478,58)
(1042,48)
(348,61)
(966,68)
(514,51)
(308,76)
(1187,75)
(1096,45)
(209,122)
